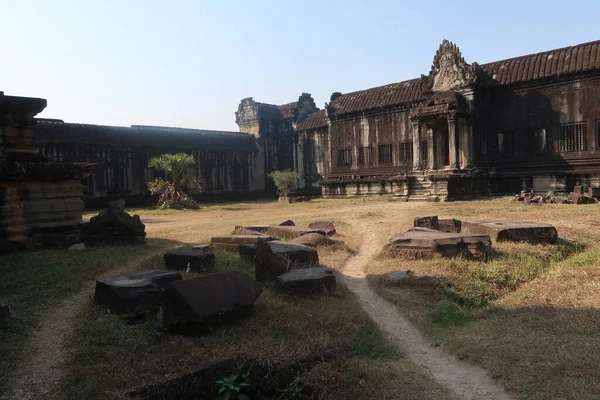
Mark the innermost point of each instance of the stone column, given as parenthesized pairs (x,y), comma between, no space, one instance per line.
(431,161)
(452,142)
(416,127)
(463,143)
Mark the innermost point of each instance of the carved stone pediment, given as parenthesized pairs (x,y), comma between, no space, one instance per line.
(449,71)
(247,111)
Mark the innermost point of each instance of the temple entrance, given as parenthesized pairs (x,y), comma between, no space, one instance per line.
(441,150)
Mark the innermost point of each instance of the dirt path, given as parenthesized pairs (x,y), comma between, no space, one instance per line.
(464,380)
(39,375)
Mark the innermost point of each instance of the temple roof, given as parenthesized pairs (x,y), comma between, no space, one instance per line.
(580,58)
(286,109)
(57,131)
(313,121)
(584,57)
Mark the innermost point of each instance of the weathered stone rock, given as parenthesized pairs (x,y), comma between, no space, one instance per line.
(576,198)
(449,225)
(189,260)
(268,265)
(114,225)
(208,299)
(231,244)
(326,226)
(7,311)
(427,222)
(134,294)
(398,278)
(288,222)
(513,231)
(578,189)
(77,247)
(537,199)
(290,232)
(593,192)
(290,251)
(316,239)
(306,280)
(426,242)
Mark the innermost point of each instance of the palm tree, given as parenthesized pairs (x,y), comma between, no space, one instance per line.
(173,165)
(170,192)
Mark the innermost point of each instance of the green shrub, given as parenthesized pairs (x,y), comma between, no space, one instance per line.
(284,181)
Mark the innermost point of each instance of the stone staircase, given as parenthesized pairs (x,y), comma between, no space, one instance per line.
(420,189)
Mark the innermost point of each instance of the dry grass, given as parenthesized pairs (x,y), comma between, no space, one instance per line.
(529,314)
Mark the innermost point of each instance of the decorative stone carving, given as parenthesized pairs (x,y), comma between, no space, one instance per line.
(247,111)
(449,70)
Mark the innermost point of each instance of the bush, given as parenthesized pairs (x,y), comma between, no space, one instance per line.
(284,181)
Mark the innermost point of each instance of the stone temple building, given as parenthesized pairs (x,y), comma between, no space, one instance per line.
(461,130)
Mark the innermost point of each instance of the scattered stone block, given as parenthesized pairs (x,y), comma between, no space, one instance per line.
(290,232)
(593,192)
(241,230)
(513,231)
(77,247)
(449,225)
(7,311)
(291,251)
(114,225)
(208,299)
(134,294)
(427,222)
(535,200)
(316,239)
(288,222)
(306,280)
(268,265)
(576,198)
(189,260)
(231,244)
(578,189)
(426,242)
(326,226)
(399,278)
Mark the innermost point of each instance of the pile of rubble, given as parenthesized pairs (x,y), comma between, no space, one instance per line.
(577,196)
(217,296)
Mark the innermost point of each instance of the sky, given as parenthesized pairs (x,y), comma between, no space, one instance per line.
(189,63)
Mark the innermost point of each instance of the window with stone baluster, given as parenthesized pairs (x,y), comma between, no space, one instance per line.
(572,137)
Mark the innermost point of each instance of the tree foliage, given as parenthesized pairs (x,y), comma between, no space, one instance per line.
(170,192)
(284,181)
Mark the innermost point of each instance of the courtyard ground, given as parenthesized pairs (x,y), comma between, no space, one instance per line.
(527,314)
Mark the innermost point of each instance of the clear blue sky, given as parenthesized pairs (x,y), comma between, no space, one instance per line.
(189,63)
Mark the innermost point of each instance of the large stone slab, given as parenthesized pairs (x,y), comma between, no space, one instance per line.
(316,239)
(450,225)
(512,231)
(189,260)
(257,228)
(231,243)
(290,232)
(268,265)
(134,294)
(208,299)
(430,222)
(291,251)
(306,280)
(424,242)
(326,226)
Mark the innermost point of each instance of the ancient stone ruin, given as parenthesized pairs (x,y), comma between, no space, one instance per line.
(40,200)
(499,231)
(114,225)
